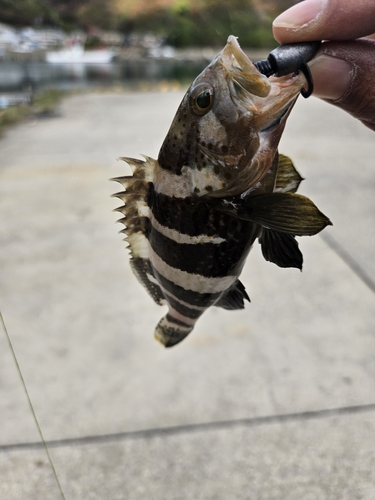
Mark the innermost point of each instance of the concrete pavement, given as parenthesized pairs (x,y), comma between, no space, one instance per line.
(124,415)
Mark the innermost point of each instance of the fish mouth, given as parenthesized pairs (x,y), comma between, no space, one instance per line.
(274,110)
(269,99)
(282,115)
(241,70)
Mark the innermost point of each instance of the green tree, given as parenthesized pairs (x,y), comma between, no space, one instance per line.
(26,12)
(96,13)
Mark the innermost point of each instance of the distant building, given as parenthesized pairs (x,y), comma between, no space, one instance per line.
(8,37)
(28,39)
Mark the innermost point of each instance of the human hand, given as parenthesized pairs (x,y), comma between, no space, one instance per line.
(344,68)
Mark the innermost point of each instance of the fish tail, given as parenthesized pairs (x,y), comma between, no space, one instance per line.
(170,331)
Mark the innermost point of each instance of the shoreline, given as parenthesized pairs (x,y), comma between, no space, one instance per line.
(133,54)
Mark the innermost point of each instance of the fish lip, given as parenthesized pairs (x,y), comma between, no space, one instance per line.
(279,117)
(246,76)
(280,101)
(241,70)
(232,53)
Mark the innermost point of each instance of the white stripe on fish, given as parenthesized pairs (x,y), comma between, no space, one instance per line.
(178,237)
(189,181)
(167,292)
(193,282)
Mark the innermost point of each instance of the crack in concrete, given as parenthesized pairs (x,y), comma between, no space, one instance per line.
(349,260)
(190,428)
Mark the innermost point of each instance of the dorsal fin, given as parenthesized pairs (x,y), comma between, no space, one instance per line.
(142,169)
(136,209)
(136,221)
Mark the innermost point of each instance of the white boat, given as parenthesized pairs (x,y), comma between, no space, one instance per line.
(77,54)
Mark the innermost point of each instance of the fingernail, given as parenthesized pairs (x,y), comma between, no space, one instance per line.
(300,15)
(332,77)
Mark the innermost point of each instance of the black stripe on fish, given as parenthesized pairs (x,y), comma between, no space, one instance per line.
(194,216)
(178,322)
(146,275)
(172,156)
(205,259)
(188,296)
(184,309)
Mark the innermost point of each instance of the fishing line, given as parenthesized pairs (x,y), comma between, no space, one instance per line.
(31,407)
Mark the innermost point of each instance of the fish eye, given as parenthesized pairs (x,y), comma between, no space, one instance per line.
(204,99)
(201,99)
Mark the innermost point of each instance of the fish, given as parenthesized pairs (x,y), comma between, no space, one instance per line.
(192,215)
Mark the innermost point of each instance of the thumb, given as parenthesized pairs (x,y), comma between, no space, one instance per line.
(344,75)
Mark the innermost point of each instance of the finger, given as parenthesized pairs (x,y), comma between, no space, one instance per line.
(344,74)
(325,20)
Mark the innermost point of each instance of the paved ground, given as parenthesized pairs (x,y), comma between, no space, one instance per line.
(271,403)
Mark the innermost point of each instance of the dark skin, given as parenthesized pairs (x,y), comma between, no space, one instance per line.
(344,69)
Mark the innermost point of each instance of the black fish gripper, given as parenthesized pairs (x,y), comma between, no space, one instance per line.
(290,58)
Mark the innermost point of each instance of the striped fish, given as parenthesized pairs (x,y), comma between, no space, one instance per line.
(192,215)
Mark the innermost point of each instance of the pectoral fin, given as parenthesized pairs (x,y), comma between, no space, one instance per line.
(284,212)
(281,249)
(287,178)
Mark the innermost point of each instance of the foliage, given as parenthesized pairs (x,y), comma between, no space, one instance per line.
(68,14)
(180,22)
(97,13)
(12,115)
(26,12)
(46,102)
(184,24)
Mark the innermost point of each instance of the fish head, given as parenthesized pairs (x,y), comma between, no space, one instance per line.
(225,134)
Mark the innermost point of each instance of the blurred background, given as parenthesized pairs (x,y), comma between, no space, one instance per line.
(80,44)
(269,403)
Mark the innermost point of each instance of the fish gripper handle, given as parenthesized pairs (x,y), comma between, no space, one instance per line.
(290,58)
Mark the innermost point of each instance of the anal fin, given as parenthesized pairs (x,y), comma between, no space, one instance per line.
(233,298)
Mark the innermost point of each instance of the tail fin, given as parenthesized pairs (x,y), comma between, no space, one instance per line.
(169,332)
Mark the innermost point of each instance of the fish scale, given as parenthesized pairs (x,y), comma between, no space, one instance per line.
(192,216)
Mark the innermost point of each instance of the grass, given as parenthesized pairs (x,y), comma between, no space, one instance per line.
(43,103)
